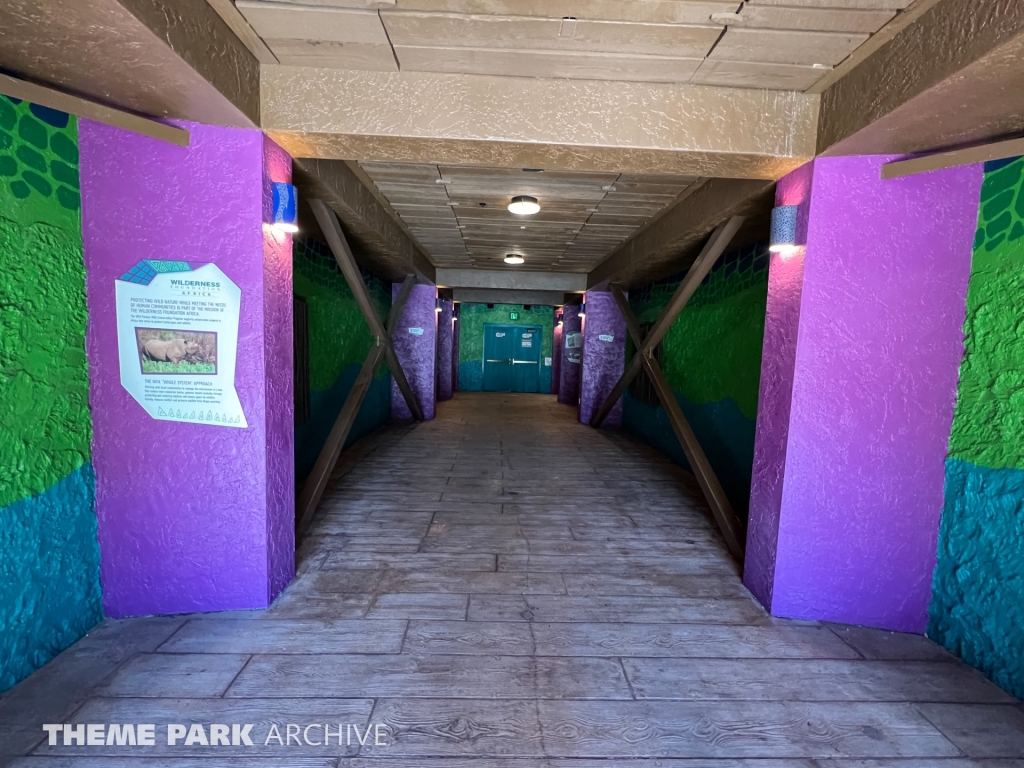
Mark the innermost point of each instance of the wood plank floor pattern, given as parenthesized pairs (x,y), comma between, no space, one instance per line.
(506,588)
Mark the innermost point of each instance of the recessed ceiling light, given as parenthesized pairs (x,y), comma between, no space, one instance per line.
(524,205)
(514,258)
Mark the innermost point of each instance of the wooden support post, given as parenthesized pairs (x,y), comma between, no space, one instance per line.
(316,483)
(714,248)
(725,516)
(343,255)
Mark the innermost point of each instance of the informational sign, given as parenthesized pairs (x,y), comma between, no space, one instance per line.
(416,331)
(606,337)
(573,357)
(513,315)
(547,361)
(573,340)
(499,335)
(177,336)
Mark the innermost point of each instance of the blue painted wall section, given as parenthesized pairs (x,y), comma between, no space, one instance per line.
(473,317)
(977,608)
(49,556)
(49,574)
(711,357)
(339,341)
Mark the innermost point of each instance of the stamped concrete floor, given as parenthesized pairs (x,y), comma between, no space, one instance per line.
(506,588)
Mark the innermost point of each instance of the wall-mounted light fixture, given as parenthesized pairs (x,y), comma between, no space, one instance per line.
(524,205)
(438,304)
(514,258)
(783,237)
(583,309)
(285,204)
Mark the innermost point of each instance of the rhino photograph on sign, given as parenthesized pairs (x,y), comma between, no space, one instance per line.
(177,333)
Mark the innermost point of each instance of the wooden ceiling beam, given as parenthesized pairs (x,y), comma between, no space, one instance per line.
(950,76)
(156,58)
(672,242)
(378,241)
(552,124)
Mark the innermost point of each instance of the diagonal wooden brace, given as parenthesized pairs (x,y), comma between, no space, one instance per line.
(343,255)
(725,516)
(316,483)
(714,248)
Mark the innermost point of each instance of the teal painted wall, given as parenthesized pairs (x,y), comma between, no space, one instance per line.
(49,567)
(977,608)
(472,319)
(711,357)
(339,341)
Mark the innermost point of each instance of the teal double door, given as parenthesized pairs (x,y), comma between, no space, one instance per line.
(511,358)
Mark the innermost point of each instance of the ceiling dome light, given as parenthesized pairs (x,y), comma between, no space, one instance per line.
(514,258)
(524,205)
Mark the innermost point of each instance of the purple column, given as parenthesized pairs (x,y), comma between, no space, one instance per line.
(556,355)
(445,342)
(192,517)
(572,357)
(863,340)
(455,347)
(415,344)
(604,356)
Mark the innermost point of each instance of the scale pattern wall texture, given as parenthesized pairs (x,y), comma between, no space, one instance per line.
(977,608)
(49,570)
(711,356)
(339,341)
(472,318)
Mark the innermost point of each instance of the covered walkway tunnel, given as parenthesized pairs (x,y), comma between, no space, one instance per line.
(428,384)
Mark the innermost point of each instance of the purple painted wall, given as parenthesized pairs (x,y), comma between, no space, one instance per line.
(445,339)
(277,362)
(191,517)
(878,346)
(455,347)
(782,322)
(604,356)
(416,352)
(569,372)
(556,355)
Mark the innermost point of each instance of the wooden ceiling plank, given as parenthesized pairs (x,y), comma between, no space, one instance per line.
(574,177)
(786,46)
(861,5)
(408,28)
(572,65)
(813,19)
(654,11)
(300,22)
(755,74)
(310,53)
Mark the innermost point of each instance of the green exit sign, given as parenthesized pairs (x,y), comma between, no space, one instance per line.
(513,315)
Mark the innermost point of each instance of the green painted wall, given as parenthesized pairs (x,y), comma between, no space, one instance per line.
(712,358)
(473,317)
(339,341)
(977,606)
(49,569)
